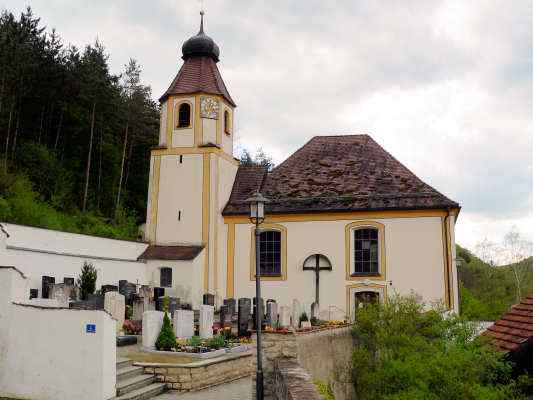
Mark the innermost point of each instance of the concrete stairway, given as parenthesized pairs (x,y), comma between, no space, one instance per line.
(132,384)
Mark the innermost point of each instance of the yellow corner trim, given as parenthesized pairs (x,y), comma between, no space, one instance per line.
(273,227)
(230,254)
(205,215)
(348,250)
(170,121)
(154,198)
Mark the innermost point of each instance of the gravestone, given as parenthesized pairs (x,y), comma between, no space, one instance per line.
(232,305)
(158,292)
(208,299)
(206,321)
(34,293)
(296,313)
(152,323)
(184,324)
(68,281)
(173,305)
(272,314)
(115,304)
(284,317)
(61,293)
(225,317)
(159,303)
(243,318)
(45,287)
(314,310)
(127,289)
(138,307)
(109,288)
(96,301)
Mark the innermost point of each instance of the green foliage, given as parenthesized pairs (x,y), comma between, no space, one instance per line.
(487,292)
(87,280)
(49,92)
(325,390)
(166,303)
(216,342)
(404,352)
(303,317)
(195,341)
(166,340)
(129,312)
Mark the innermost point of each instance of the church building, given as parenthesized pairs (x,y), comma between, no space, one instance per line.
(347,223)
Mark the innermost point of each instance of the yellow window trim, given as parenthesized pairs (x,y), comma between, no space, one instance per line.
(349,253)
(270,227)
(176,115)
(363,285)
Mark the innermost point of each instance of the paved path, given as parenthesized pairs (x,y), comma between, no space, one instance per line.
(240,389)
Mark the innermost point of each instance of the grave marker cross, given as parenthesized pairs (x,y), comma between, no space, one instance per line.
(317,263)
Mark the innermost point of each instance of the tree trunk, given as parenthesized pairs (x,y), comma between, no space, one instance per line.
(130,155)
(41,124)
(8,135)
(88,168)
(100,166)
(59,126)
(16,133)
(117,203)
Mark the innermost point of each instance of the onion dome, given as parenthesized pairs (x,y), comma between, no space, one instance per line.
(200,45)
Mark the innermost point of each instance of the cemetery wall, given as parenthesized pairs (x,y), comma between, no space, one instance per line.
(42,252)
(292,382)
(404,273)
(47,353)
(202,374)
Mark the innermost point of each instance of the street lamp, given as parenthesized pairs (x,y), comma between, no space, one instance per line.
(257,216)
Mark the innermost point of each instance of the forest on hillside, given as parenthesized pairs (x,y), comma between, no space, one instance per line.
(75,138)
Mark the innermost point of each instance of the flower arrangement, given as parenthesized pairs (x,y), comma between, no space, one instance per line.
(132,327)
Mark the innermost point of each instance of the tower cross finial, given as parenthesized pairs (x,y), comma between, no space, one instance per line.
(202,13)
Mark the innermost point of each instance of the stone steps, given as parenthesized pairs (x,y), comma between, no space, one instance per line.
(134,384)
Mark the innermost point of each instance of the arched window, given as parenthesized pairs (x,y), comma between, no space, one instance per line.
(184,115)
(270,253)
(166,277)
(366,251)
(227,123)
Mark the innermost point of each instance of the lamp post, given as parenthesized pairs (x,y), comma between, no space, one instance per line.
(257,216)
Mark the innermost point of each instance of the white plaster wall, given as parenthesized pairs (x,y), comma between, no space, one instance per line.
(414,256)
(45,354)
(209,130)
(38,252)
(163,125)
(180,188)
(183,137)
(187,278)
(149,222)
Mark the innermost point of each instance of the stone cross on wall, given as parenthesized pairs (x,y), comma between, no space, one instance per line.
(317,263)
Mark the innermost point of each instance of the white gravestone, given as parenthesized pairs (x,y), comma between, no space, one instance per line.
(206,321)
(296,312)
(115,304)
(184,324)
(284,317)
(152,323)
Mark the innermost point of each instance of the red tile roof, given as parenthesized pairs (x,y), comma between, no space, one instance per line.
(198,74)
(514,328)
(336,174)
(184,253)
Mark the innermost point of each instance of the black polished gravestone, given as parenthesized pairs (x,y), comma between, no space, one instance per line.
(34,293)
(128,290)
(159,292)
(109,288)
(173,305)
(46,282)
(225,316)
(94,302)
(68,281)
(254,321)
(243,319)
(208,299)
(231,303)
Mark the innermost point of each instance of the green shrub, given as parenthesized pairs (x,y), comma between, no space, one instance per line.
(166,340)
(195,341)
(87,280)
(216,342)
(325,390)
(405,352)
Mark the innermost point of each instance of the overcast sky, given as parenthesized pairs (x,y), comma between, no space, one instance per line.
(445,86)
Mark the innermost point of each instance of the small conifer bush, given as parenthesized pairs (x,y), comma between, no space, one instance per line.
(166,340)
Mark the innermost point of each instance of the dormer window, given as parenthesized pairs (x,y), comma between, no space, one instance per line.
(184,115)
(227,123)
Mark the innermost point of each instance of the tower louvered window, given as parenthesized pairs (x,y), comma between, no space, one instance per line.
(184,115)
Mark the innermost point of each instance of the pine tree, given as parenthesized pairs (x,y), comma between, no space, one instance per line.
(166,340)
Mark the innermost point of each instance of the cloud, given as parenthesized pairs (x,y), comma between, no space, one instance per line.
(445,86)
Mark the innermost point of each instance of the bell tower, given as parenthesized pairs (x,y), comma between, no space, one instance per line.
(192,169)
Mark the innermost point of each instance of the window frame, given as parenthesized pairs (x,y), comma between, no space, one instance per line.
(370,262)
(283,252)
(161,283)
(350,229)
(227,122)
(177,115)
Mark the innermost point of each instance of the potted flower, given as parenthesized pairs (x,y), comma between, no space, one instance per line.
(304,321)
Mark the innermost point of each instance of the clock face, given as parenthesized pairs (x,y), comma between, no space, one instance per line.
(209,107)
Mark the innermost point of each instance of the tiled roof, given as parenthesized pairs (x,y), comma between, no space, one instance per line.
(514,328)
(183,253)
(198,74)
(336,174)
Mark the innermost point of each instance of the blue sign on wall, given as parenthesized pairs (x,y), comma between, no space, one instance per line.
(90,328)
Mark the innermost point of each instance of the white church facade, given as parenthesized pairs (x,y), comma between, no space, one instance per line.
(347,222)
